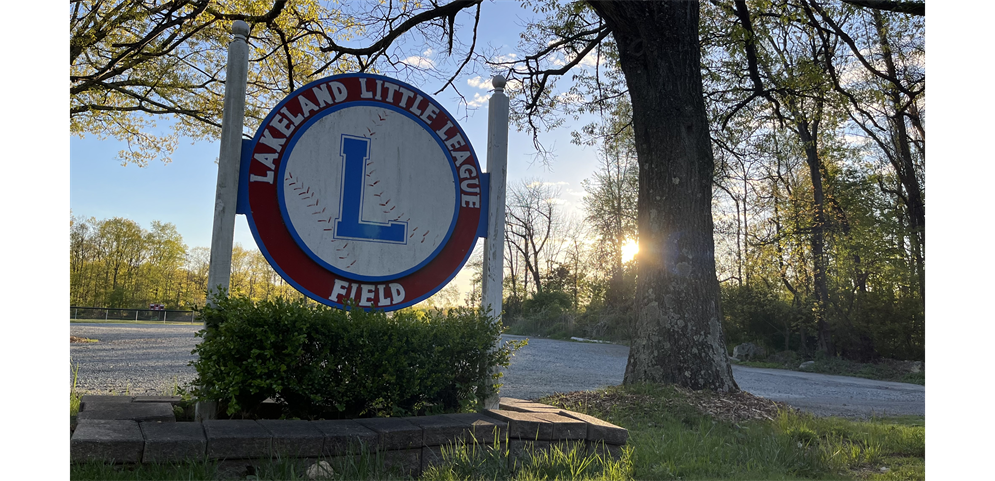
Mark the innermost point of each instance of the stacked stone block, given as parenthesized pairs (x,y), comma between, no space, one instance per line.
(144,430)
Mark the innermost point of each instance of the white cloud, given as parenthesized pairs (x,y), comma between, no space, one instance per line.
(589,60)
(479,82)
(478,100)
(420,62)
(505,58)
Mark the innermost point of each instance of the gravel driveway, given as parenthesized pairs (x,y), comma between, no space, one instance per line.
(150,359)
(133,358)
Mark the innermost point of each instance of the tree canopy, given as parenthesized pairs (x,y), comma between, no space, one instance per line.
(136,62)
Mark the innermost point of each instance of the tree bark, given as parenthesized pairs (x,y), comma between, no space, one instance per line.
(809,134)
(679,336)
(903,163)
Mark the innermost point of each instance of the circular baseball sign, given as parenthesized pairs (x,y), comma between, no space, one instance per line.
(362,190)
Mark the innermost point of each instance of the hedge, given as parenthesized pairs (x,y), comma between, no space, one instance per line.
(320,362)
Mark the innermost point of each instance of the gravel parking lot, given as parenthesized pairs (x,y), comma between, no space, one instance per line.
(133,358)
(151,359)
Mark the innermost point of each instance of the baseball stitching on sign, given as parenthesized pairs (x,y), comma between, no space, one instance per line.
(381,118)
(305,194)
(363,187)
(400,223)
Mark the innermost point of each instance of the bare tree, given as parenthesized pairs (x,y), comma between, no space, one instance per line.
(532,219)
(610,204)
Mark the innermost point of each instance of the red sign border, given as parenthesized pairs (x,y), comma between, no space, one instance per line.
(259,203)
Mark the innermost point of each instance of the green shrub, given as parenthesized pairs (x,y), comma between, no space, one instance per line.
(548,302)
(323,362)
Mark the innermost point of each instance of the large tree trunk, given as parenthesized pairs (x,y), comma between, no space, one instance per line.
(679,336)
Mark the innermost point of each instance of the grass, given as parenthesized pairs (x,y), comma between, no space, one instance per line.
(363,467)
(74,395)
(561,461)
(672,439)
(673,434)
(843,367)
(535,327)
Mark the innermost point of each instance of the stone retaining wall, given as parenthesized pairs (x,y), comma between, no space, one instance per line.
(129,430)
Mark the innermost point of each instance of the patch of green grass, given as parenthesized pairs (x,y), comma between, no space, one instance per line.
(570,461)
(879,372)
(672,439)
(536,329)
(74,396)
(914,378)
(93,470)
(843,367)
(364,466)
(763,364)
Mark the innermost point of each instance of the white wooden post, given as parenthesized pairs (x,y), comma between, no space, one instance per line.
(232,122)
(497,167)
(219,273)
(492,285)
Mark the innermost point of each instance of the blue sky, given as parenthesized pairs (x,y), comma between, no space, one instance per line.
(182,192)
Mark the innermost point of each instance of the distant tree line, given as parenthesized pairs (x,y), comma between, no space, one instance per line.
(117,263)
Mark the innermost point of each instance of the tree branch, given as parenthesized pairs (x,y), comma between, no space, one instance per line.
(910,8)
(446,11)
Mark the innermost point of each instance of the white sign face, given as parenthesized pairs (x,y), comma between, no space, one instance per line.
(361,190)
(385,223)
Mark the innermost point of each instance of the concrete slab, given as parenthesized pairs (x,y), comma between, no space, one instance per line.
(438,430)
(509,404)
(404,461)
(564,428)
(173,442)
(174,400)
(294,438)
(395,433)
(600,430)
(114,441)
(237,439)
(523,426)
(483,429)
(511,400)
(345,436)
(144,411)
(102,398)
